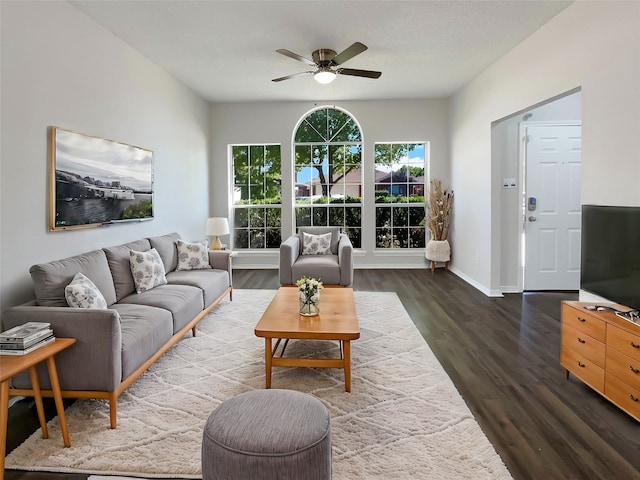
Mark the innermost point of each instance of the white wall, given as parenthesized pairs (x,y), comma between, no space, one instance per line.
(381,121)
(592,45)
(506,146)
(61,68)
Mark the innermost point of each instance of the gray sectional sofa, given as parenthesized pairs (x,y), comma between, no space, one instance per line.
(115,345)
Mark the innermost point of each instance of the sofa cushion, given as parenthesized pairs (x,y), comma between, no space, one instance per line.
(335,236)
(144,330)
(51,279)
(183,301)
(316,244)
(120,266)
(211,282)
(321,267)
(166,247)
(82,293)
(147,270)
(192,256)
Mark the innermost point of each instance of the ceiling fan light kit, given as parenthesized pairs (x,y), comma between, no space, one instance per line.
(324,76)
(325,59)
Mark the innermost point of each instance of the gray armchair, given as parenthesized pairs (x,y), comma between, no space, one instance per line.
(335,268)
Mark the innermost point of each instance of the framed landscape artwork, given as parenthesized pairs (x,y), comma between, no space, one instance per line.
(95,181)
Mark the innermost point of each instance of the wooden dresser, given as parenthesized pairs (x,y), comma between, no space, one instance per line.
(602,350)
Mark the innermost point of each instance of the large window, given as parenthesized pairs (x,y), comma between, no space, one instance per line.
(328,174)
(257,197)
(399,195)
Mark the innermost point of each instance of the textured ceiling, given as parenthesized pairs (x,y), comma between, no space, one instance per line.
(225,50)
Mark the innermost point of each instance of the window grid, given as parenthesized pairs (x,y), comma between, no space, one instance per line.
(257,198)
(399,195)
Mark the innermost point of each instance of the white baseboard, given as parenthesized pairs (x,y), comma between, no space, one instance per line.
(488,292)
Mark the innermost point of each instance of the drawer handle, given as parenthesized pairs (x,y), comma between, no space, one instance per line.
(635,399)
(580,319)
(581,340)
(633,344)
(580,364)
(634,370)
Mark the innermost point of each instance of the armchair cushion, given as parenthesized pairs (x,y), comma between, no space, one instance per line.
(322,267)
(316,244)
(335,236)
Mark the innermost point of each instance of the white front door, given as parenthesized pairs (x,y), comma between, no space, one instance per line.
(552,207)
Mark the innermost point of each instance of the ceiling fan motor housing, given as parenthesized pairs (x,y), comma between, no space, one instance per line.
(324,57)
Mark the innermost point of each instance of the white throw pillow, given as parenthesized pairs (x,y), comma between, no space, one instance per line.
(82,293)
(192,256)
(316,244)
(147,270)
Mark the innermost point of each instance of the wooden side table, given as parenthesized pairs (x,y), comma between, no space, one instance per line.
(12,365)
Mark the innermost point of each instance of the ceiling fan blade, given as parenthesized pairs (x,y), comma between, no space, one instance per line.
(295,56)
(355,49)
(359,73)
(291,76)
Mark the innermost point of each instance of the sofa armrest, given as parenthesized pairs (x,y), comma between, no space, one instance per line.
(289,251)
(94,362)
(345,260)
(221,260)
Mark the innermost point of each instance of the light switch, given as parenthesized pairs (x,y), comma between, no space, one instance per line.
(509,183)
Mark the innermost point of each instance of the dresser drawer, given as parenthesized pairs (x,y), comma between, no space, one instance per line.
(585,322)
(624,342)
(584,369)
(624,368)
(583,345)
(623,395)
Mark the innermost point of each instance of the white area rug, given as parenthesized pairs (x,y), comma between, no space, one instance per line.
(403,419)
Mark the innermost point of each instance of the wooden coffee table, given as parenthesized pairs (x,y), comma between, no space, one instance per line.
(337,321)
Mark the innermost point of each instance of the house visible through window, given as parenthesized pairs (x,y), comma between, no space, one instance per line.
(399,195)
(328,172)
(257,197)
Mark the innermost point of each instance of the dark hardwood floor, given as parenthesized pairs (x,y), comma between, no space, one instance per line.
(503,356)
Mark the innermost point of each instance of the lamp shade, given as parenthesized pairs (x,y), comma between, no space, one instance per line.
(217,226)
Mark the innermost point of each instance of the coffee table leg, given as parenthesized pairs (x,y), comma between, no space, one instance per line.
(4,417)
(33,374)
(55,386)
(346,353)
(268,355)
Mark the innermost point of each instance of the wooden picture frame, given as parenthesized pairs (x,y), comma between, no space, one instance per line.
(94,181)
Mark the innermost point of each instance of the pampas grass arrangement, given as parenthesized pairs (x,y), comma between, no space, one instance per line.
(439,210)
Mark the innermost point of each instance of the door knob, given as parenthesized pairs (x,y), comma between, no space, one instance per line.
(532,218)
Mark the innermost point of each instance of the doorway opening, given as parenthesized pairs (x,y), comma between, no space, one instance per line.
(509,160)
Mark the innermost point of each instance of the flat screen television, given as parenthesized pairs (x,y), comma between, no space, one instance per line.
(610,259)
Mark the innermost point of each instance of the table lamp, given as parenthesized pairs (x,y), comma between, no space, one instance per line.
(217,226)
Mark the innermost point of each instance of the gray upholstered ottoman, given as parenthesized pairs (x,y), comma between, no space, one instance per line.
(268,434)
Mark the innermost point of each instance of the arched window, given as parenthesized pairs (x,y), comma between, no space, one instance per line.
(328,172)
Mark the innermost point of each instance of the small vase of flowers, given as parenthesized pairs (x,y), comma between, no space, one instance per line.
(309,289)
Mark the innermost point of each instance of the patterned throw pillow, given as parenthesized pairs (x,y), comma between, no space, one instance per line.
(192,256)
(316,244)
(147,269)
(82,293)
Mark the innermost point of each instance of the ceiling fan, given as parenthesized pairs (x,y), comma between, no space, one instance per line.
(324,60)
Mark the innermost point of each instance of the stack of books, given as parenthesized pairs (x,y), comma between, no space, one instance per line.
(25,338)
